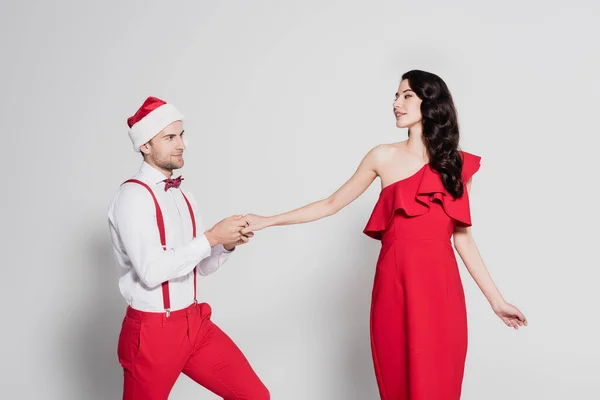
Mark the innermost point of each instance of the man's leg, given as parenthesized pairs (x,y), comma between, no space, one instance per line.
(219,365)
(152,355)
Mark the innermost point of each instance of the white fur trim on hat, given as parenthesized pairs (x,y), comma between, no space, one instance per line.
(151,125)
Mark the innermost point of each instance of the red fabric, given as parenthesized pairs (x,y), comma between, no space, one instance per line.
(414,195)
(173,183)
(418,313)
(149,105)
(154,350)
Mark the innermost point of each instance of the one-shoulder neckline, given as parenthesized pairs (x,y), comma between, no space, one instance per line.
(404,179)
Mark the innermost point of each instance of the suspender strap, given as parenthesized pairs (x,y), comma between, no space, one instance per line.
(194,233)
(163,241)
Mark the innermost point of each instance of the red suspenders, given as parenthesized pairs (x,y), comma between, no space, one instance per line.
(163,241)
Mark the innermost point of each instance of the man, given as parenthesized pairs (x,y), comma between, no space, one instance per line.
(161,246)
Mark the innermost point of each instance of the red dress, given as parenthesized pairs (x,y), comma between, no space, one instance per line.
(418,314)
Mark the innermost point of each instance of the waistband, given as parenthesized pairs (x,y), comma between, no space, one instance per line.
(148,316)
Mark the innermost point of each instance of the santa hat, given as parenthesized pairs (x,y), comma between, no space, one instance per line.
(151,118)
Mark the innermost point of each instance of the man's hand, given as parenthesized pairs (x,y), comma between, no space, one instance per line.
(227,231)
(244,239)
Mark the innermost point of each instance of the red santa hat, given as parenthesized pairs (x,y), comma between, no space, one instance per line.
(151,118)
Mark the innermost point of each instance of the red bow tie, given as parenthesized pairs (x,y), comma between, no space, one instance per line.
(172,183)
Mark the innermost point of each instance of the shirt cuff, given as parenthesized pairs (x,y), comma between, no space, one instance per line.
(221,249)
(201,245)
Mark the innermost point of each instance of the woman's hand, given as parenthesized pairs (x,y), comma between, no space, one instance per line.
(255,223)
(512,317)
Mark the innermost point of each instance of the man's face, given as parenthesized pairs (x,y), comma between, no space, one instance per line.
(165,150)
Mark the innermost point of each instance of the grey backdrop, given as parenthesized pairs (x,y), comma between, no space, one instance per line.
(283,100)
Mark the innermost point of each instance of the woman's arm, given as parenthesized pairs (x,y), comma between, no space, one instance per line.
(469,253)
(362,178)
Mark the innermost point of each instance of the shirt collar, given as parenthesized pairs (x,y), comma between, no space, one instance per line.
(149,174)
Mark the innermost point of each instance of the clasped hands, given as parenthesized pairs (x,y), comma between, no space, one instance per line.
(234,231)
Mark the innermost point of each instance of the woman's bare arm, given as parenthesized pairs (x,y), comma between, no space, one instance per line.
(469,253)
(362,178)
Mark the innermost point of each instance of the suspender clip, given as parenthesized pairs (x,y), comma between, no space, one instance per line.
(168,312)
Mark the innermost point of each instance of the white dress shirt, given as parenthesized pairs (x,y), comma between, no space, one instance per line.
(142,261)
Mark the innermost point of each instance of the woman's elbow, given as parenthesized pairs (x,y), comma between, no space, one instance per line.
(462,238)
(330,207)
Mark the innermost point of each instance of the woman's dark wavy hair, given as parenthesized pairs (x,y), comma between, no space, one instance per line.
(440,128)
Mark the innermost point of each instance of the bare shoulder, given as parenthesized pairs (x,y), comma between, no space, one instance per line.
(384,152)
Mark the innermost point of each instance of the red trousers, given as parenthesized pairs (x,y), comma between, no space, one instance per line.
(154,350)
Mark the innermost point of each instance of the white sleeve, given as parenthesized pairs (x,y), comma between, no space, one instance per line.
(217,258)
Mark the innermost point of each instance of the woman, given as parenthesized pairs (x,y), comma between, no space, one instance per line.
(418,314)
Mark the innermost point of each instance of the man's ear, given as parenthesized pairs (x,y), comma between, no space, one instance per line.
(145,148)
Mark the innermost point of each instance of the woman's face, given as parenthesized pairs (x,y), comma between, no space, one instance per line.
(407,106)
